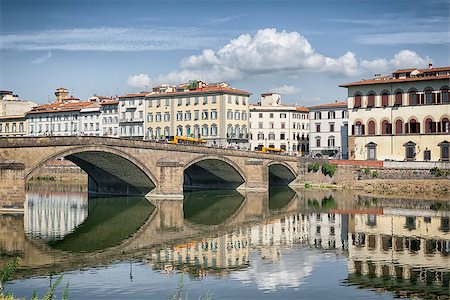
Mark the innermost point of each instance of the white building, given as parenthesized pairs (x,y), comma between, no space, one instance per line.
(131,115)
(278,126)
(328,130)
(109,110)
(90,120)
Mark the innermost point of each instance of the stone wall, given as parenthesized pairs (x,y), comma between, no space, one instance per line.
(12,185)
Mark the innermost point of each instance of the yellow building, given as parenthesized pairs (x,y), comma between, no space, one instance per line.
(13,126)
(215,112)
(400,117)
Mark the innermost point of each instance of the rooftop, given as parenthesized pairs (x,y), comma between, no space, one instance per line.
(330,105)
(408,75)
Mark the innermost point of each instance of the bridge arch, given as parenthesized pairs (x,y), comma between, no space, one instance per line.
(110,171)
(212,172)
(281,173)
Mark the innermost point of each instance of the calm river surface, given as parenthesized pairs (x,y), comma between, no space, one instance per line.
(309,244)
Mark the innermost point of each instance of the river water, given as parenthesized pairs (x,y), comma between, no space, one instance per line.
(306,244)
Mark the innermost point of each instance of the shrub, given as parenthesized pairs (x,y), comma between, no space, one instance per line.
(313,167)
(367,171)
(307,185)
(375,174)
(328,169)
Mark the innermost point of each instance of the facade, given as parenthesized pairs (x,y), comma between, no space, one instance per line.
(216,113)
(279,126)
(11,105)
(131,115)
(400,117)
(328,130)
(69,116)
(13,126)
(109,110)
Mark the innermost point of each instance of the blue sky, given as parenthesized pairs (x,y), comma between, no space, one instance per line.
(303,49)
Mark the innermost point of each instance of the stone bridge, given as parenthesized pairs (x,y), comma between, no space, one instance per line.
(123,166)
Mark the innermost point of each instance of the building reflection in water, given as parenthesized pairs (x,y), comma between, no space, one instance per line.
(402,250)
(52,215)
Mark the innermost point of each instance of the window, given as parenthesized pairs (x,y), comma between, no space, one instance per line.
(283,125)
(283,116)
(398,127)
(271,136)
(318,115)
(444,96)
(205,130)
(196,113)
(398,99)
(195,100)
(282,136)
(386,127)
(166,117)
(213,114)
(179,116)
(385,99)
(187,115)
(271,125)
(357,101)
(317,142)
(410,151)
(205,99)
(204,115)
(180,101)
(260,136)
(317,127)
(188,101)
(158,117)
(237,115)
(331,115)
(445,125)
(426,155)
(331,127)
(244,115)
(214,100)
(413,126)
(236,99)
(371,127)
(371,100)
(260,115)
(445,153)
(230,114)
(358,128)
(413,98)
(429,97)
(260,125)
(271,115)
(331,141)
(167,102)
(430,126)
(371,151)
(214,130)
(158,102)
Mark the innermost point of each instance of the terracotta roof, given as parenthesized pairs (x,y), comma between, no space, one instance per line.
(109,102)
(302,108)
(59,107)
(204,90)
(334,104)
(134,95)
(393,80)
(286,106)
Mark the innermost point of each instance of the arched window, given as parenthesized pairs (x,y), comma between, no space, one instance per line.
(167,131)
(413,98)
(357,101)
(445,96)
(196,131)
(158,132)
(244,131)
(385,99)
(398,99)
(371,100)
(398,127)
(429,96)
(358,128)
(371,127)
(150,133)
(386,127)
(413,126)
(445,125)
(213,130)
(205,130)
(188,130)
(430,126)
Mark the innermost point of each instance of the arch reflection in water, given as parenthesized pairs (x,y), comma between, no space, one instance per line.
(211,207)
(110,221)
(280,196)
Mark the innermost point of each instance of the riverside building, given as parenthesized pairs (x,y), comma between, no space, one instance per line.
(275,125)
(403,117)
(214,112)
(131,115)
(328,130)
(13,122)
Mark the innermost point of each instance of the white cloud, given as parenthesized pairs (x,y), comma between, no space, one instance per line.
(138,81)
(111,39)
(268,51)
(42,59)
(401,60)
(286,90)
